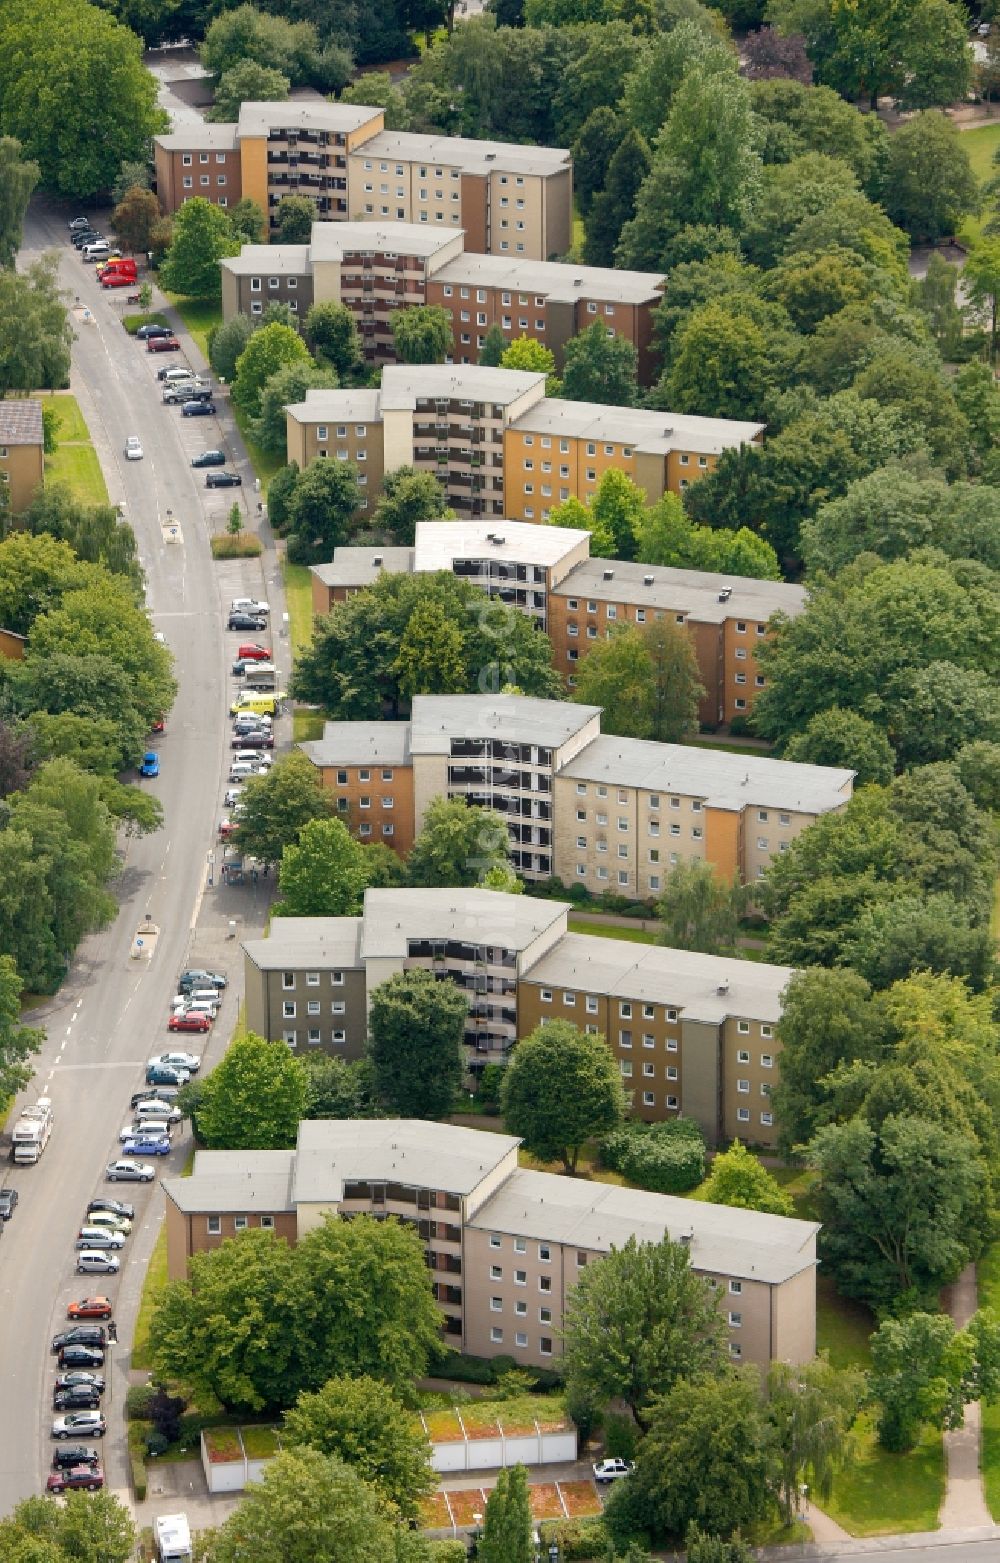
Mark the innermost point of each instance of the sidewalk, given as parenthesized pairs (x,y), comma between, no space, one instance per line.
(964,1504)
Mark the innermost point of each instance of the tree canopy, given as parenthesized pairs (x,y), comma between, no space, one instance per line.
(561,1088)
(254,1098)
(416,1027)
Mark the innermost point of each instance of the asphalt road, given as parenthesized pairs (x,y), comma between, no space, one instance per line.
(111,1013)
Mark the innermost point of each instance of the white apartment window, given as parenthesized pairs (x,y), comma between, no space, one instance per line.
(188,182)
(214,1225)
(546,995)
(625,1011)
(649,1070)
(187,160)
(337,979)
(545,1315)
(767,1119)
(648,1040)
(287,980)
(520,1339)
(743,1057)
(520,1277)
(591,1006)
(743,1087)
(544,1253)
(496,1305)
(204,179)
(520,1246)
(290,1038)
(625,1065)
(267,1223)
(312,979)
(313,1007)
(496,1335)
(339,1036)
(494,1240)
(570,998)
(672,1072)
(288,1010)
(735,1351)
(338,1007)
(521,1309)
(735,1321)
(761,843)
(672,1102)
(743,1027)
(743,1114)
(766,1061)
(625,1039)
(496,1273)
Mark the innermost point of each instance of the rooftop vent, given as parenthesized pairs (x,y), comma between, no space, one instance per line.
(491,157)
(496,541)
(377,559)
(647,580)
(609,575)
(685,1238)
(725,594)
(723,987)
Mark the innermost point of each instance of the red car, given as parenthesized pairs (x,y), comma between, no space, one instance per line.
(159,724)
(162,344)
(89,1308)
(226,828)
(254,653)
(91,1478)
(189,1023)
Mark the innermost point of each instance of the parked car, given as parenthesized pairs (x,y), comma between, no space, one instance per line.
(162,1074)
(8,1199)
(157,1093)
(196,409)
(179,392)
(99,249)
(81,1398)
(133,448)
(150,763)
(94,1238)
(81,1357)
(246,621)
(94,1261)
(146,1145)
(223,480)
(612,1470)
(189,1022)
(129,1171)
(90,1307)
(82,1424)
(74,1454)
(160,724)
(81,1335)
(77,223)
(254,653)
(157,1129)
(88,1477)
(209,458)
(163,344)
(251,722)
(150,332)
(86,236)
(189,1061)
(107,1221)
(259,738)
(80,1376)
(155,1109)
(175,372)
(250,605)
(118,1207)
(197,978)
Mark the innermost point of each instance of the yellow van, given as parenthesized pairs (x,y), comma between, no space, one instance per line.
(263,703)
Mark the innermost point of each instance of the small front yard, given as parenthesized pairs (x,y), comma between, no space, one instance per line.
(200,316)
(298,595)
(74,460)
(879,1494)
(988,1276)
(636,935)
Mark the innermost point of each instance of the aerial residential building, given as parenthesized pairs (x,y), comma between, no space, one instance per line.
(546,572)
(510,199)
(609,813)
(22,452)
(505,1246)
(378,267)
(692,1034)
(500,446)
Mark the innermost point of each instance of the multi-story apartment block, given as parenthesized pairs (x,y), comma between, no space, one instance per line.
(22,445)
(505,1246)
(377,267)
(608,813)
(509,199)
(546,572)
(501,447)
(693,1034)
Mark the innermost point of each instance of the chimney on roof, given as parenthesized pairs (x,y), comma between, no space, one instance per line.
(647,580)
(685,1238)
(723,987)
(725,594)
(609,575)
(377,559)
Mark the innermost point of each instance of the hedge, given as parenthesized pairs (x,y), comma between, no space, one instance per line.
(133,322)
(137,1401)
(667,1158)
(137,1434)
(578,1539)
(235,545)
(489,1370)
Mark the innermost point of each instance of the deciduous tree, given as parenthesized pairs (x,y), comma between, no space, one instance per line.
(407,497)
(810,1409)
(253,1099)
(532,357)
(600,368)
(638,1321)
(244,33)
(930,184)
(283,388)
(271,348)
(361,1421)
(134,219)
(416,1026)
(323,871)
(200,238)
(246,82)
(227,344)
(925,1372)
(278,805)
(507,1533)
(332,334)
(421,335)
(739,1179)
(322,508)
(616,204)
(646,680)
(457,845)
(18,177)
(35,333)
(17,1042)
(561,1088)
(699,910)
(843,738)
(296,215)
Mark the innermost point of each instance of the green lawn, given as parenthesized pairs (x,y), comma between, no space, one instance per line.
(980,144)
(74,461)
(264,464)
(636,935)
(988,1275)
(156,1280)
(878,1494)
(307,725)
(298,594)
(199,316)
(706,741)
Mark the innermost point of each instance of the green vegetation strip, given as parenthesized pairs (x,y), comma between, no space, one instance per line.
(610,930)
(156,1280)
(74,460)
(200,316)
(879,1494)
(298,595)
(988,1275)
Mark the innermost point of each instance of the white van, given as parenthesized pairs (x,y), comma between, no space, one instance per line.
(241,769)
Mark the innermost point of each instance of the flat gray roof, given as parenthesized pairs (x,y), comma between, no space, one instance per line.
(21,422)
(458,382)
(558,280)
(392,1150)
(393,917)
(361,566)
(269,259)
(438,543)
(471,157)
(200,136)
(330,241)
(320,943)
(256,119)
(435,719)
(235,1181)
(708,988)
(725,781)
(345,406)
(360,743)
(601,1216)
(695,593)
(645,430)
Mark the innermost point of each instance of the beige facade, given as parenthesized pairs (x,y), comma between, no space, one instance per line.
(505,1247)
(22,460)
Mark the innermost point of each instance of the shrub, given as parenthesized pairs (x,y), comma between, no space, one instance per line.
(446,1552)
(620,1437)
(138,1400)
(156,1443)
(232,545)
(667,1158)
(577,1539)
(466,1370)
(490,1082)
(133,322)
(137,1435)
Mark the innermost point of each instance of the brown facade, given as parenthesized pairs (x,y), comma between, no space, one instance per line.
(190,1233)
(376,801)
(181,174)
(374,286)
(21,473)
(352,440)
(11,646)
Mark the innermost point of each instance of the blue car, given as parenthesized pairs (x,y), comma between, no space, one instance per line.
(150,764)
(162,1074)
(146,1146)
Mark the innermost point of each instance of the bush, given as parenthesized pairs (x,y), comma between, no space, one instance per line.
(137,1435)
(490,1082)
(235,545)
(446,1552)
(138,1399)
(577,1539)
(587,1416)
(156,1443)
(620,1437)
(667,1158)
(133,322)
(465,1370)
